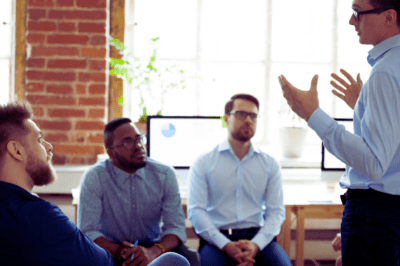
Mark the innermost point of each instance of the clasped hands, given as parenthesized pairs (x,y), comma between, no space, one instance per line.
(142,255)
(242,251)
(304,103)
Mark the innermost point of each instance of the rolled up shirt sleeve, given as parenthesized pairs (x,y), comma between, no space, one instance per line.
(90,206)
(171,208)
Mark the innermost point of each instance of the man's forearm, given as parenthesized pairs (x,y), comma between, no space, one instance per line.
(170,242)
(107,245)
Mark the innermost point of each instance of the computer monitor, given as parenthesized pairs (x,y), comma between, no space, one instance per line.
(332,169)
(178,140)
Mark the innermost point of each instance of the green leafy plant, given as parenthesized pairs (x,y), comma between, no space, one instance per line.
(152,83)
(289,117)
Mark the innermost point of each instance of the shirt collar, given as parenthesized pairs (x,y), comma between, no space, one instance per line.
(121,175)
(11,189)
(375,53)
(227,146)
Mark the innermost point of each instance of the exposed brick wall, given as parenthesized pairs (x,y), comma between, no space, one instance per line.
(66,75)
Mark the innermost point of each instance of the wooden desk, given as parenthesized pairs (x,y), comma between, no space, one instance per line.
(302,212)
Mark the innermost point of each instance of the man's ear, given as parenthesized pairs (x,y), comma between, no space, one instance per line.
(226,118)
(16,150)
(391,17)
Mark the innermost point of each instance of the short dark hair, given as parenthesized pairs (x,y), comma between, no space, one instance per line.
(248,97)
(108,135)
(12,117)
(393,4)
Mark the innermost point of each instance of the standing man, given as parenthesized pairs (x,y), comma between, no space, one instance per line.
(371,218)
(235,195)
(124,198)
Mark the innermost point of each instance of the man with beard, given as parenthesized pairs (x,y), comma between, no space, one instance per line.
(235,198)
(124,198)
(34,231)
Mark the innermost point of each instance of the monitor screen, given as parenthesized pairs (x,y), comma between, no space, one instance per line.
(178,140)
(330,162)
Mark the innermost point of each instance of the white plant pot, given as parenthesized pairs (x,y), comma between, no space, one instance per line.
(292,141)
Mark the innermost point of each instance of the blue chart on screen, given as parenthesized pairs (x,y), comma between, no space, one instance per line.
(168,130)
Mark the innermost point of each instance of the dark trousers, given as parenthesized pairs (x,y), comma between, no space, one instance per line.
(272,254)
(371,232)
(191,255)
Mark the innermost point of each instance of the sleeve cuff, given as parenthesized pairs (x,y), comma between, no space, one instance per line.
(175,232)
(220,240)
(262,240)
(319,122)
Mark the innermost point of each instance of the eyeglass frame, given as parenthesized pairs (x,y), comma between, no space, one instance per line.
(357,14)
(139,138)
(247,114)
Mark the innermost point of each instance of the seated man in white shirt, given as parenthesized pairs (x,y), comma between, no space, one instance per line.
(235,198)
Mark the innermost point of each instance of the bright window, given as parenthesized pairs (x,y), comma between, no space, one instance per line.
(6,50)
(238,46)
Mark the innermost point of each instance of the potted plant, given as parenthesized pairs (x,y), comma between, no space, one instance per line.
(292,133)
(152,83)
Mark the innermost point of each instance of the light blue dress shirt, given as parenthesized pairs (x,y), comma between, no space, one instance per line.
(120,206)
(225,192)
(372,153)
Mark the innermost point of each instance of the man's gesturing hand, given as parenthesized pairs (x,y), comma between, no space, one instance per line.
(303,103)
(349,92)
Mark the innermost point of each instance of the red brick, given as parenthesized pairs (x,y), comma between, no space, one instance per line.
(76,160)
(78,149)
(96,113)
(56,125)
(66,27)
(54,51)
(78,136)
(46,75)
(35,62)
(97,89)
(89,125)
(41,3)
(91,101)
(59,159)
(35,87)
(66,113)
(66,63)
(35,38)
(97,65)
(64,89)
(67,39)
(97,40)
(42,26)
(93,52)
(50,100)
(58,137)
(92,27)
(96,138)
(35,14)
(80,89)
(65,3)
(91,3)
(38,111)
(78,15)
(97,77)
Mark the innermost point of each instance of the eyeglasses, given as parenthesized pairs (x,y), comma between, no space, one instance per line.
(242,115)
(373,11)
(130,143)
